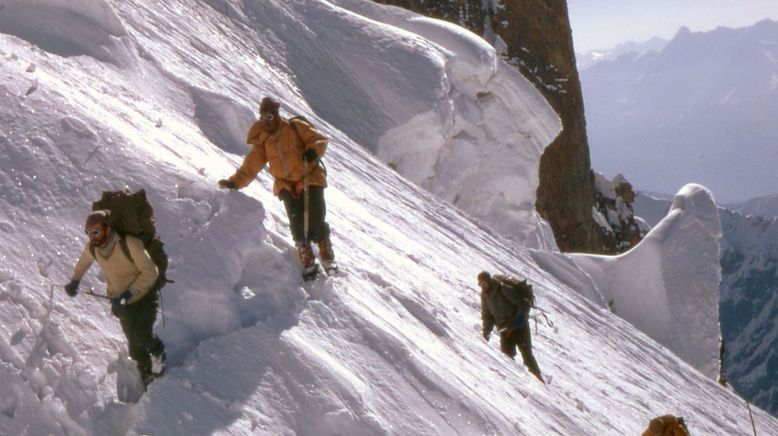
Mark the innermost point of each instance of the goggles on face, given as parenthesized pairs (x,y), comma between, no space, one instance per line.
(94,233)
(266,117)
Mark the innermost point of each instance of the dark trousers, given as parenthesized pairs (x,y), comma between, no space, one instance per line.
(137,321)
(521,338)
(317,211)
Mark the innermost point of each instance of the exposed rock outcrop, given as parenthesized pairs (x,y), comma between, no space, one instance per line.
(615,214)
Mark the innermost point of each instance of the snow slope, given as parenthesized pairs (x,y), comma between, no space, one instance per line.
(471,145)
(391,347)
(667,286)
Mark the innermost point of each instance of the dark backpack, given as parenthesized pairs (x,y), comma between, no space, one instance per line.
(523,288)
(132,214)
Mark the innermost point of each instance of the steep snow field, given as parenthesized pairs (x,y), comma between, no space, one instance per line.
(97,95)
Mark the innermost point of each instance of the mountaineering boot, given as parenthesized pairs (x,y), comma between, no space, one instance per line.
(158,364)
(307,261)
(327,256)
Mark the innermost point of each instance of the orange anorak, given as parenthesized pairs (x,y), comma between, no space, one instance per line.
(283,151)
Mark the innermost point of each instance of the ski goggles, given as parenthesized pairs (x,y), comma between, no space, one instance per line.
(94,233)
(267,117)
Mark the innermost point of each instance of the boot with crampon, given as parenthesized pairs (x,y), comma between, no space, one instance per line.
(307,261)
(327,256)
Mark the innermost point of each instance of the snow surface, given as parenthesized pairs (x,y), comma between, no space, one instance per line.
(748,302)
(667,286)
(478,143)
(392,346)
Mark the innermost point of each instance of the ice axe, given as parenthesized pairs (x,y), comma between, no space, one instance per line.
(306,198)
(105,297)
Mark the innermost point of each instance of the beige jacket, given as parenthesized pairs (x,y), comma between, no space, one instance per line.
(283,150)
(137,275)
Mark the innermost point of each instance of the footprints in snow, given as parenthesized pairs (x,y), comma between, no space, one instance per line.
(433,319)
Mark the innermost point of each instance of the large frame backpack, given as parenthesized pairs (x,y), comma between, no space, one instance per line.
(132,214)
(522,287)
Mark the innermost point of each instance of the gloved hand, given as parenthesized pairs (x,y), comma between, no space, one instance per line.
(72,288)
(122,300)
(486,335)
(227,184)
(309,155)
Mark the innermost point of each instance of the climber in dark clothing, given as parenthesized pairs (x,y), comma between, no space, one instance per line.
(504,305)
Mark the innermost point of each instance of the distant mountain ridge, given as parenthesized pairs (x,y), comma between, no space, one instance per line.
(592,57)
(766,206)
(700,110)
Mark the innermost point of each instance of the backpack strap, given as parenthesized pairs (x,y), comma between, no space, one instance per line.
(125,248)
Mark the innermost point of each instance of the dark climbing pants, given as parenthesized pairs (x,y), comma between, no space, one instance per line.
(137,321)
(317,212)
(521,338)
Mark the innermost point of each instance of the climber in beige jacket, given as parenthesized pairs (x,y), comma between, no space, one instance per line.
(136,274)
(132,286)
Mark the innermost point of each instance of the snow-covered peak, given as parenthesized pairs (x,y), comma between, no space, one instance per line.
(766,206)
(636,49)
(698,110)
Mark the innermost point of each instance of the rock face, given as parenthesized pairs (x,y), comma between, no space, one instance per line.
(535,36)
(749,306)
(615,213)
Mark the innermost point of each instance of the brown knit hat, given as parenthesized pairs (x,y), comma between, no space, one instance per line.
(484,276)
(269,104)
(98,217)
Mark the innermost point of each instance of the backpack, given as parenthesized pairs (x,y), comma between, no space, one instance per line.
(523,288)
(132,214)
(667,425)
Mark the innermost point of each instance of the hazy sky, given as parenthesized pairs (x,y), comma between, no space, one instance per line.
(604,23)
